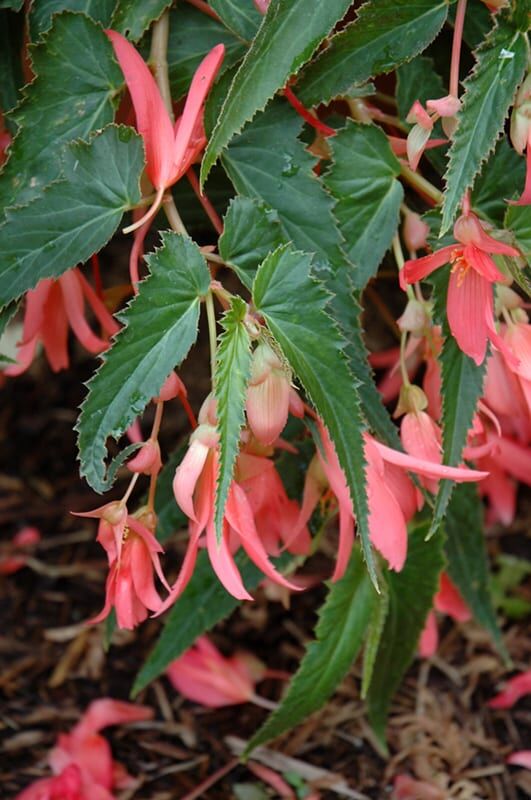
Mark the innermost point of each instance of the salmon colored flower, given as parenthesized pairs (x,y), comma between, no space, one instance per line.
(51,308)
(82,760)
(470,305)
(18,550)
(520,132)
(515,689)
(447,601)
(423,122)
(385,472)
(170,149)
(518,338)
(202,674)
(407,788)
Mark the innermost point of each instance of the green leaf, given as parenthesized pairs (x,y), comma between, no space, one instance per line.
(11,43)
(250,233)
(478,22)
(170,518)
(293,306)
(348,312)
(240,16)
(132,18)
(202,605)
(74,217)
(374,637)
(160,327)
(269,163)
(192,36)
(499,181)
(411,595)
(13,5)
(467,558)
(231,377)
(362,179)
(462,385)
(385,34)
(74,93)
(339,634)
(518,220)
(42,11)
(489,91)
(289,34)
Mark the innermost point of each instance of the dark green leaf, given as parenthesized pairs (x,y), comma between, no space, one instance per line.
(467,557)
(160,327)
(362,178)
(489,91)
(411,595)
(478,22)
(170,518)
(293,305)
(13,5)
(374,637)
(339,634)
(240,16)
(462,385)
(500,180)
(40,17)
(132,18)
(269,163)
(74,93)
(290,33)
(230,386)
(518,220)
(74,217)
(385,34)
(202,605)
(192,36)
(250,233)
(11,43)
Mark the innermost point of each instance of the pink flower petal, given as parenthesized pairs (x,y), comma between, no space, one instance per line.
(418,268)
(223,564)
(449,601)
(469,301)
(429,638)
(520,758)
(187,475)
(430,470)
(515,688)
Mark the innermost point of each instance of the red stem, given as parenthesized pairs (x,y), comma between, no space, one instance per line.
(208,208)
(307,115)
(456,47)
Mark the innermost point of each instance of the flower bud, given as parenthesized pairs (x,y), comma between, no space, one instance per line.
(411,399)
(207,413)
(147,461)
(415,231)
(172,387)
(520,130)
(415,317)
(268,396)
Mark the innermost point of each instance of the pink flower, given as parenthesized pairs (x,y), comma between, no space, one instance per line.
(447,601)
(388,512)
(520,133)
(422,437)
(133,555)
(268,395)
(51,308)
(415,231)
(18,550)
(204,675)
(194,488)
(82,759)
(518,338)
(515,688)
(470,306)
(170,149)
(521,758)
(417,139)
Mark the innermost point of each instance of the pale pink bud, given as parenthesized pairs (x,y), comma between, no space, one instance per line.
(445,106)
(262,5)
(410,399)
(296,406)
(418,115)
(268,396)
(172,387)
(417,140)
(415,317)
(147,461)
(521,116)
(207,413)
(415,231)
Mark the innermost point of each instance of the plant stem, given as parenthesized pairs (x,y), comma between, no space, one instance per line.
(421,184)
(159,59)
(403,367)
(173,216)
(212,335)
(456,47)
(159,408)
(399,258)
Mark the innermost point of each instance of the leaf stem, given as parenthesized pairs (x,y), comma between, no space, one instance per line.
(159,59)
(421,184)
(212,335)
